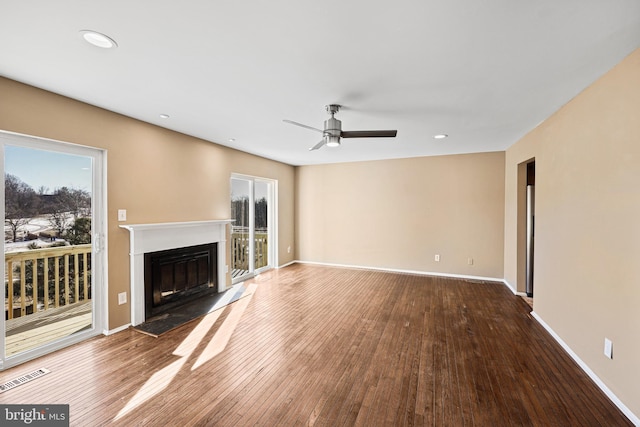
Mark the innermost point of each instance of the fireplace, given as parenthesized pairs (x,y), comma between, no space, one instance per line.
(174,277)
(149,238)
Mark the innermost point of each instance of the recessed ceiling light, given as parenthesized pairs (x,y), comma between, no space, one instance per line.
(98,39)
(232,140)
(164,116)
(440,136)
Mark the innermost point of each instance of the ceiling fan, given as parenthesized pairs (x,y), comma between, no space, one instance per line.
(333,130)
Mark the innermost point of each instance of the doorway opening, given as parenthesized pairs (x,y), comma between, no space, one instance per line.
(531,205)
(252,232)
(526,228)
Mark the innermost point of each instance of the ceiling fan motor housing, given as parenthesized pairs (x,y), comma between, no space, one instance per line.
(333,126)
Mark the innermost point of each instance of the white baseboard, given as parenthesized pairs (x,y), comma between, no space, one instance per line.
(632,417)
(396,270)
(287,264)
(512,288)
(116,330)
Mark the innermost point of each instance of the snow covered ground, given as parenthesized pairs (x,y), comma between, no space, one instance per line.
(35,226)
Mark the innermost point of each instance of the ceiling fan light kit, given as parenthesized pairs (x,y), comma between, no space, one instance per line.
(333,130)
(333,141)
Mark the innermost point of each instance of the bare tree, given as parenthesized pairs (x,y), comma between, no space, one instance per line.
(77,200)
(66,204)
(21,203)
(58,219)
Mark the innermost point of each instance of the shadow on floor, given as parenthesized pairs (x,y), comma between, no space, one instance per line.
(178,316)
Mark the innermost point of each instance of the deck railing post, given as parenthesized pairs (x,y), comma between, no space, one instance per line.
(45,282)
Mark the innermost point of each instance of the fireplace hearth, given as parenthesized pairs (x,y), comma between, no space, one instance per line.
(177,276)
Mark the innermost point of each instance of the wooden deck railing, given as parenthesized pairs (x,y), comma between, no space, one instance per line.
(39,279)
(240,250)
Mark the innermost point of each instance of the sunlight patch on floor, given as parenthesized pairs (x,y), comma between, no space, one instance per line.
(220,340)
(189,344)
(160,380)
(154,385)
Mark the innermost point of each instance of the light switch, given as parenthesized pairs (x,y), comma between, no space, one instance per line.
(122,214)
(608,348)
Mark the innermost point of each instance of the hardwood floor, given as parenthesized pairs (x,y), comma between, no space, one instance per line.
(331,347)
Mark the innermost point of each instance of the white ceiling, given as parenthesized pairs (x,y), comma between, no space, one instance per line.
(483,72)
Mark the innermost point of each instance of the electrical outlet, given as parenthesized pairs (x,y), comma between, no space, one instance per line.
(226,268)
(122,214)
(437,258)
(470,261)
(122,298)
(608,348)
(288,249)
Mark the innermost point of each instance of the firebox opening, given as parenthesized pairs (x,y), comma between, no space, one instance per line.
(176,276)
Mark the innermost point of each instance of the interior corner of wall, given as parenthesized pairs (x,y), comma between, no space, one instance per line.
(510,286)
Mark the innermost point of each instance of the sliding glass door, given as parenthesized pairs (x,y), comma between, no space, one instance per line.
(52,270)
(252,243)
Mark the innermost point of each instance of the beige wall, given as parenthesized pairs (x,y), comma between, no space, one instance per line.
(156,174)
(587,282)
(399,213)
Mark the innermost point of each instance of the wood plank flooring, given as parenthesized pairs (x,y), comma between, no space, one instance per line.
(331,347)
(34,330)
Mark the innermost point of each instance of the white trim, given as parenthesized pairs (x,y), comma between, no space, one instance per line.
(145,238)
(163,226)
(3,330)
(108,332)
(632,417)
(512,288)
(105,249)
(273,224)
(396,270)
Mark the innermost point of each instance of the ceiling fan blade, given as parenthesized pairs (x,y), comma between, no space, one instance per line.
(369,134)
(302,126)
(318,145)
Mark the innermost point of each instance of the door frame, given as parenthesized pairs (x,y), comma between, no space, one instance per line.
(99,274)
(272,214)
(521,227)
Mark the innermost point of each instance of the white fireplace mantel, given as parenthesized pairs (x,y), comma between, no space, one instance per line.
(145,238)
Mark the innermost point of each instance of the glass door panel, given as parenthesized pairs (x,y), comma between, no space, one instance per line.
(241,261)
(49,268)
(261,224)
(251,232)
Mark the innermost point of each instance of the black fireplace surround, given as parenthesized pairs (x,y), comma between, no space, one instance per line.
(176,276)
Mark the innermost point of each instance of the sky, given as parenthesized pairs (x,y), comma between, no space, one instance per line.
(240,188)
(50,169)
